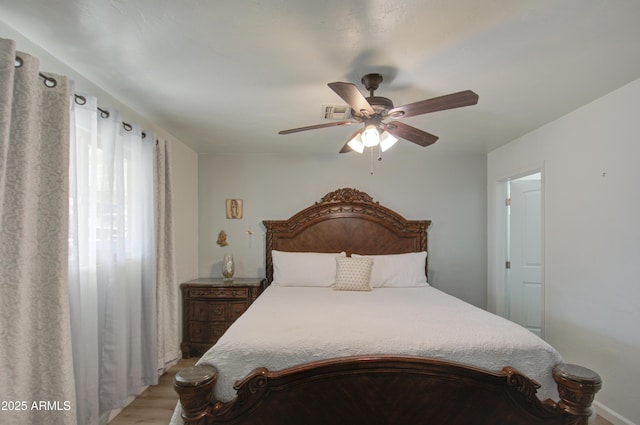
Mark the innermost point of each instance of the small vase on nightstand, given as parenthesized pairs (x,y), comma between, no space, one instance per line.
(227,267)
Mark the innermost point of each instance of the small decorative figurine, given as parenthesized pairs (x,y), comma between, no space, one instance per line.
(222,238)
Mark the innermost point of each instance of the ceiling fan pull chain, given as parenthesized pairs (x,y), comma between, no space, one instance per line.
(371,150)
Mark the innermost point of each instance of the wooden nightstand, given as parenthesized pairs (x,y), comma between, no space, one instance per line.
(210,306)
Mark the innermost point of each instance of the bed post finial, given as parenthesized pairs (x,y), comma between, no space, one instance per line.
(194,386)
(577,387)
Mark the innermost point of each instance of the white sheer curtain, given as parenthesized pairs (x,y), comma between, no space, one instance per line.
(35,335)
(111,260)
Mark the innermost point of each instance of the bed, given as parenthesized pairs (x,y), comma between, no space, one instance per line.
(348,331)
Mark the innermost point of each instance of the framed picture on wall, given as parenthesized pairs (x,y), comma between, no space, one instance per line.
(234,208)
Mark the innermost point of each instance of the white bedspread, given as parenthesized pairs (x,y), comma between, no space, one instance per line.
(287,326)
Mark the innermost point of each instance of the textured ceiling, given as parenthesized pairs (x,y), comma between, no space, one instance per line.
(226,76)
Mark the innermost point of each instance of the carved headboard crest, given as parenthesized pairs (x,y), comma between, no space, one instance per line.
(346,195)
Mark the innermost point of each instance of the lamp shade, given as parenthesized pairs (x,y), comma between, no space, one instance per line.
(356,144)
(370,136)
(386,141)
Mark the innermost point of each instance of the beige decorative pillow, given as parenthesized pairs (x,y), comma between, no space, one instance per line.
(352,274)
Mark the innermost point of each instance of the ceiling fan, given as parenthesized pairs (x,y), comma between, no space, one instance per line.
(379,115)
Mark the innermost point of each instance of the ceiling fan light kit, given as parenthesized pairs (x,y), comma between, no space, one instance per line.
(375,111)
(356,144)
(370,136)
(386,141)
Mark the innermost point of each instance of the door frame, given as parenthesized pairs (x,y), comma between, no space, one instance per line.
(497,272)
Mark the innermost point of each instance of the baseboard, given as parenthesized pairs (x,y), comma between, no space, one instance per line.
(611,415)
(169,365)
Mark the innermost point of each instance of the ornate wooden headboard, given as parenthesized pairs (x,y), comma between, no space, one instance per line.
(345,220)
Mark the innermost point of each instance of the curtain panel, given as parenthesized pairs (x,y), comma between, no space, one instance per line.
(35,337)
(111,260)
(166,280)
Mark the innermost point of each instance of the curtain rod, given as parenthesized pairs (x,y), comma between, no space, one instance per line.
(80,100)
(48,81)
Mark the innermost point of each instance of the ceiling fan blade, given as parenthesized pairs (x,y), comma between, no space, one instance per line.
(350,94)
(346,148)
(449,101)
(412,134)
(314,127)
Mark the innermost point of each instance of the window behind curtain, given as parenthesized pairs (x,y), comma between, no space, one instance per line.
(111,267)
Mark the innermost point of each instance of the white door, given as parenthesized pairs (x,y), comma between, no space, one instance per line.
(524,283)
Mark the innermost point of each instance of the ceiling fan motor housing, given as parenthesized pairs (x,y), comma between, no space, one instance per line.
(380,105)
(371,81)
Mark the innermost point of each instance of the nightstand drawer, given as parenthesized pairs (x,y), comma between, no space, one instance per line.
(206,332)
(205,311)
(217,331)
(219,292)
(236,309)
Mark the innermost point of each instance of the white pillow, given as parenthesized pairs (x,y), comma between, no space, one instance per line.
(304,268)
(352,274)
(398,270)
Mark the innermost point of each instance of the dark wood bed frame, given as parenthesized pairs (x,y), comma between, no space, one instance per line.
(399,390)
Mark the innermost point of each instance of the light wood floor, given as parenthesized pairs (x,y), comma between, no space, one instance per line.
(155,406)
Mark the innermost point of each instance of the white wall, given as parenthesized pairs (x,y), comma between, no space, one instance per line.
(184,168)
(418,184)
(592,238)
(185,162)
